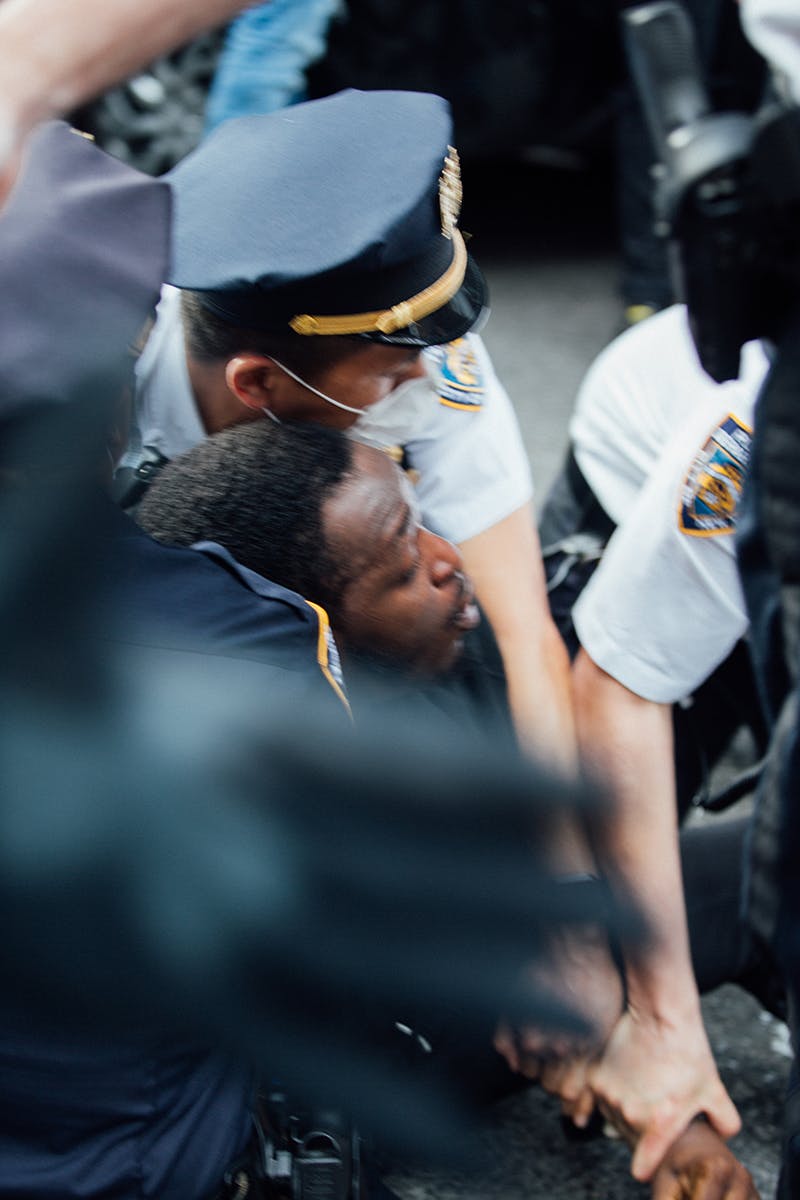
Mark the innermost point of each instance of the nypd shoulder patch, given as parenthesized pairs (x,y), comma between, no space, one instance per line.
(712,488)
(459,383)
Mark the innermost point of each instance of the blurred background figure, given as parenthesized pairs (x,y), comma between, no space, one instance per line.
(56,55)
(734,74)
(265,57)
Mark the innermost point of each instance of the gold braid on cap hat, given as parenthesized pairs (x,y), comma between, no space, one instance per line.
(431,298)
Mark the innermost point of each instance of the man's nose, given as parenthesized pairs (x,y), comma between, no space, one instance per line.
(443,558)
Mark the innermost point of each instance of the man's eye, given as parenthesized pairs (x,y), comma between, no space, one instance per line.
(410,574)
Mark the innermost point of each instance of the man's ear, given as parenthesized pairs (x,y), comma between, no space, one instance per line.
(250,378)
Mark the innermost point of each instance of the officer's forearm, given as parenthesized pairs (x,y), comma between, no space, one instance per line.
(505,565)
(627,741)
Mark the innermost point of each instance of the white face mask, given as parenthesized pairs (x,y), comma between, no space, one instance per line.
(773,28)
(398,417)
(308,387)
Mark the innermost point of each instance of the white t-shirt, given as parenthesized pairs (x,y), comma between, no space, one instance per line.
(664,448)
(457,426)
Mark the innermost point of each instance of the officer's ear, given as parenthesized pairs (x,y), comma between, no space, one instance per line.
(251,378)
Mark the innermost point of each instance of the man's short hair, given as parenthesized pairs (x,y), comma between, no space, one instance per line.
(211,339)
(258,490)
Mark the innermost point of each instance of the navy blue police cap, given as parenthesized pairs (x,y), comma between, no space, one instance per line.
(337,216)
(84,245)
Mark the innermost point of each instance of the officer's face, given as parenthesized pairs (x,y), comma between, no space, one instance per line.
(408,600)
(359,381)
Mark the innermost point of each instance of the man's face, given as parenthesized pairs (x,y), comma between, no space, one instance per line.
(408,599)
(359,381)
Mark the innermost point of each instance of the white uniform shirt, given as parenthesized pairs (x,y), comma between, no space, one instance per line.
(461,437)
(664,449)
(165,414)
(457,426)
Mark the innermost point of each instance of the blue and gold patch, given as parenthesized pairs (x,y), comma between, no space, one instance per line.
(713,486)
(460,383)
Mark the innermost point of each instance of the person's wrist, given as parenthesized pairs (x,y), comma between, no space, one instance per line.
(670,1003)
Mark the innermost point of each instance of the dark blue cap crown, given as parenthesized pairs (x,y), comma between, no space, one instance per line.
(322,216)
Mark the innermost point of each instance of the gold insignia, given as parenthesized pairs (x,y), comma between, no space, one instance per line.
(712,489)
(400,315)
(450,192)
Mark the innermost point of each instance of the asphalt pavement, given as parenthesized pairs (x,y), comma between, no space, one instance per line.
(547,243)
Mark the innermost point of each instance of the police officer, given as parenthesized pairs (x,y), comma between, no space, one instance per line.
(679,554)
(323,276)
(638,541)
(638,538)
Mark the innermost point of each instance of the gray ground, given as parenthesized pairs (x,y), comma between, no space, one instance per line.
(547,247)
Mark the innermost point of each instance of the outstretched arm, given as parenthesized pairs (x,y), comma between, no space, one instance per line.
(657,1071)
(56,54)
(505,564)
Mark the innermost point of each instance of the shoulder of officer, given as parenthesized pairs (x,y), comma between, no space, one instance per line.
(458,374)
(204,602)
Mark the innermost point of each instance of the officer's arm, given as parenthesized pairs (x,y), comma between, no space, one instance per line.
(505,564)
(657,1071)
(57,54)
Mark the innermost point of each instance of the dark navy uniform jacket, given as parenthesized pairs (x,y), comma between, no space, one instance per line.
(149,1114)
(168,597)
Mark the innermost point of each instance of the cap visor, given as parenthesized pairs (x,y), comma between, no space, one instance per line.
(449,322)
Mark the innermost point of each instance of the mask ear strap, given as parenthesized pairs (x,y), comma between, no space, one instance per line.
(322,396)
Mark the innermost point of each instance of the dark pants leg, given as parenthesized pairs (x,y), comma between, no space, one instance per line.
(789,1181)
(727,702)
(723,946)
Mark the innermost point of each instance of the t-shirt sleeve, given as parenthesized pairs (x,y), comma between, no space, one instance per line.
(472,466)
(665,607)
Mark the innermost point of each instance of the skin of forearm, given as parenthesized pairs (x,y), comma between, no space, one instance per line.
(505,565)
(56,54)
(626,742)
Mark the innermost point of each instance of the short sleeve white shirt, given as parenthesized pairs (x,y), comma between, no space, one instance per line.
(664,449)
(461,438)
